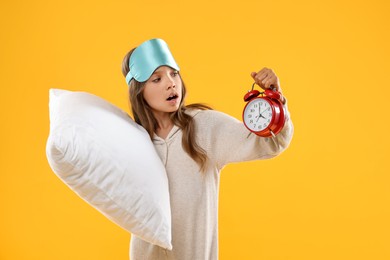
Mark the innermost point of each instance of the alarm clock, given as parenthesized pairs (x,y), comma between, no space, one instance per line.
(264,115)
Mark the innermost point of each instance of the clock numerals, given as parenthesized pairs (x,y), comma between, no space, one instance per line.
(263,115)
(258,115)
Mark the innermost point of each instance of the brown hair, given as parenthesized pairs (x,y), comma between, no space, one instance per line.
(143,115)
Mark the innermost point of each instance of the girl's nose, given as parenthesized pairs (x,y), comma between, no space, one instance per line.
(171,83)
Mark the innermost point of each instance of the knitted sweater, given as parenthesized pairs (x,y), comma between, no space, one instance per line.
(194,195)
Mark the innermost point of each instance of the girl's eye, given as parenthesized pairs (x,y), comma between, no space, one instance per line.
(174,74)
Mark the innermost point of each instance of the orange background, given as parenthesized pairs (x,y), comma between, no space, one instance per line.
(326,197)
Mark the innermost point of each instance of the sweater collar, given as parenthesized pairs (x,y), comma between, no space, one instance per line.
(175,129)
(157,139)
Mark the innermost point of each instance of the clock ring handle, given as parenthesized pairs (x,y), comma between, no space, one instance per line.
(272,92)
(271,88)
(253,85)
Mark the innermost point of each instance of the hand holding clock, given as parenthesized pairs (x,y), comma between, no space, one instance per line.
(266,79)
(268,109)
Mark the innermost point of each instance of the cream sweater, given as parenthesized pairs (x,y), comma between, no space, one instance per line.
(193,195)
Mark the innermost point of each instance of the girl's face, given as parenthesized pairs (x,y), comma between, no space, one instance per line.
(162,90)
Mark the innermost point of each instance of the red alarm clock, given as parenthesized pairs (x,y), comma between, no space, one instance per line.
(265,115)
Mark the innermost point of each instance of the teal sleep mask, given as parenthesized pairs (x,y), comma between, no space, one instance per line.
(147,57)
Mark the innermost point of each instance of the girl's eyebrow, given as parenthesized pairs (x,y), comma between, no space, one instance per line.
(159,71)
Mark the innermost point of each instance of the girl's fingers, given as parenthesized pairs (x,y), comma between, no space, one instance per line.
(268,81)
(265,78)
(261,75)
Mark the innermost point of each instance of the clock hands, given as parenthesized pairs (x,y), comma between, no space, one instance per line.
(263,112)
(260,114)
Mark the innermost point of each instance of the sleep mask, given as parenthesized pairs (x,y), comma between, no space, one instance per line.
(147,57)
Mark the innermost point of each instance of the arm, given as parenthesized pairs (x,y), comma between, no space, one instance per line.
(226,140)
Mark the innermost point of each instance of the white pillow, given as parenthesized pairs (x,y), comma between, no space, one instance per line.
(110,162)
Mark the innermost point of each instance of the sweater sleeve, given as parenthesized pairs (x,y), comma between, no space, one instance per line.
(226,140)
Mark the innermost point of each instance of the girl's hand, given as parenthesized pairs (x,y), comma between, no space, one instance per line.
(266,78)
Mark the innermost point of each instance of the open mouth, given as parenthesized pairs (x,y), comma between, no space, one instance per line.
(172,97)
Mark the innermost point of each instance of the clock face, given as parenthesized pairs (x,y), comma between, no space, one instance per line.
(258,114)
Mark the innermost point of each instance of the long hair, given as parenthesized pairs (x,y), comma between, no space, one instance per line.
(143,115)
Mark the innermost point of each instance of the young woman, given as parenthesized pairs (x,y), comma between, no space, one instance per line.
(194,143)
